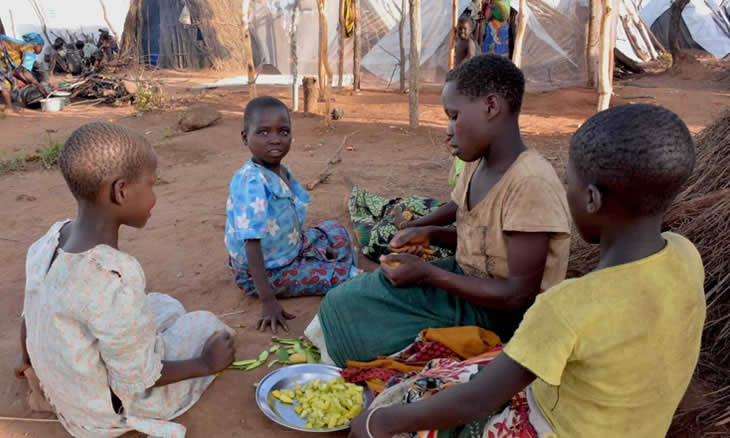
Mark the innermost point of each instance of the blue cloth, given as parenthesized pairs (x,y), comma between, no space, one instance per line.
(33,38)
(27,61)
(262,207)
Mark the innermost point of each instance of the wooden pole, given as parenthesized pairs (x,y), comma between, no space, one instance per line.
(108,23)
(149,34)
(294,57)
(356,47)
(402,40)
(341,31)
(675,20)
(414,61)
(520,36)
(452,37)
(592,40)
(42,19)
(12,24)
(246,9)
(324,69)
(605,81)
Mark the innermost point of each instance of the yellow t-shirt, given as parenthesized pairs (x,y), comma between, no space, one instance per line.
(528,198)
(614,351)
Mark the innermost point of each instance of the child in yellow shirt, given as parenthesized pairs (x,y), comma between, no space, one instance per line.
(609,354)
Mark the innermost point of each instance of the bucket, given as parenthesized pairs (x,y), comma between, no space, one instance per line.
(52,104)
(154,57)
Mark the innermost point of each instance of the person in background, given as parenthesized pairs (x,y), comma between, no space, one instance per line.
(17,59)
(496,14)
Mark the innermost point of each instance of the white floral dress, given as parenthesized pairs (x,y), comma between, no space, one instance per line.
(91,329)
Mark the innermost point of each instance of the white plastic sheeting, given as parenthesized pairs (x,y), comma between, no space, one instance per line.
(75,16)
(554,47)
(707,23)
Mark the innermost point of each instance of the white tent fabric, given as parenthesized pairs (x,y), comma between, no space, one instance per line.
(76,16)
(707,23)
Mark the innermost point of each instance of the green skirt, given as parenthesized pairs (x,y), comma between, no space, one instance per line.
(367,316)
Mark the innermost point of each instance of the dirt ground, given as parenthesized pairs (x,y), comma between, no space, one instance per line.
(182,249)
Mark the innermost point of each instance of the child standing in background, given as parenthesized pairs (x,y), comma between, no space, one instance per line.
(270,252)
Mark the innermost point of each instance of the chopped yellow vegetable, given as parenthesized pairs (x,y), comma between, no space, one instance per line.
(324,405)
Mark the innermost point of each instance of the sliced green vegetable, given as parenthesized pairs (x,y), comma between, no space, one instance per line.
(283,355)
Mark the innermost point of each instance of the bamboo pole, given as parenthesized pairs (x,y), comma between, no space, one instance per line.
(324,69)
(341,29)
(605,81)
(246,8)
(402,40)
(108,23)
(414,61)
(294,57)
(356,47)
(520,37)
(452,37)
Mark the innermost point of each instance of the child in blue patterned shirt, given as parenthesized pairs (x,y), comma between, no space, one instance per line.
(270,252)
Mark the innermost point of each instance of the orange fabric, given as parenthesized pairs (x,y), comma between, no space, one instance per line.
(466,341)
(470,342)
(384,362)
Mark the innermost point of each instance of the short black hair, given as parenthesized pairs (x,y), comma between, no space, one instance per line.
(490,73)
(466,19)
(80,44)
(100,150)
(259,104)
(639,154)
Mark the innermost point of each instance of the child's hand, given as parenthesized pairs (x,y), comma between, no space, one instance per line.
(21,364)
(411,238)
(218,352)
(404,269)
(272,314)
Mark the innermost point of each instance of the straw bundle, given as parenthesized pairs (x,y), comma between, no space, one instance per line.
(702,214)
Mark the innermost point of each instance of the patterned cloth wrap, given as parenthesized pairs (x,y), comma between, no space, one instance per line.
(512,421)
(311,272)
(496,30)
(15,53)
(376,220)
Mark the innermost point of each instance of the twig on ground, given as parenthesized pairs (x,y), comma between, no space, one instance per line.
(325,173)
(30,420)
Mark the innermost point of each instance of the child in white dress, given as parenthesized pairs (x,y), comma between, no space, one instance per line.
(109,357)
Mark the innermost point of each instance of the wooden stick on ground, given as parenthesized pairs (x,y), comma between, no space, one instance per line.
(30,420)
(336,158)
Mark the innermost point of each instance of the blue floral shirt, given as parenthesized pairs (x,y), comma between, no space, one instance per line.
(261,206)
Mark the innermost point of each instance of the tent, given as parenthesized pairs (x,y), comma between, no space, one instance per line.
(203,33)
(705,24)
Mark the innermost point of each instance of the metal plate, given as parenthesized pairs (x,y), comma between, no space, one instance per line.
(285,378)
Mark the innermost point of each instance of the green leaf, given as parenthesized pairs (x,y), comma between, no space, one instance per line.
(263,356)
(298,348)
(271,364)
(274,349)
